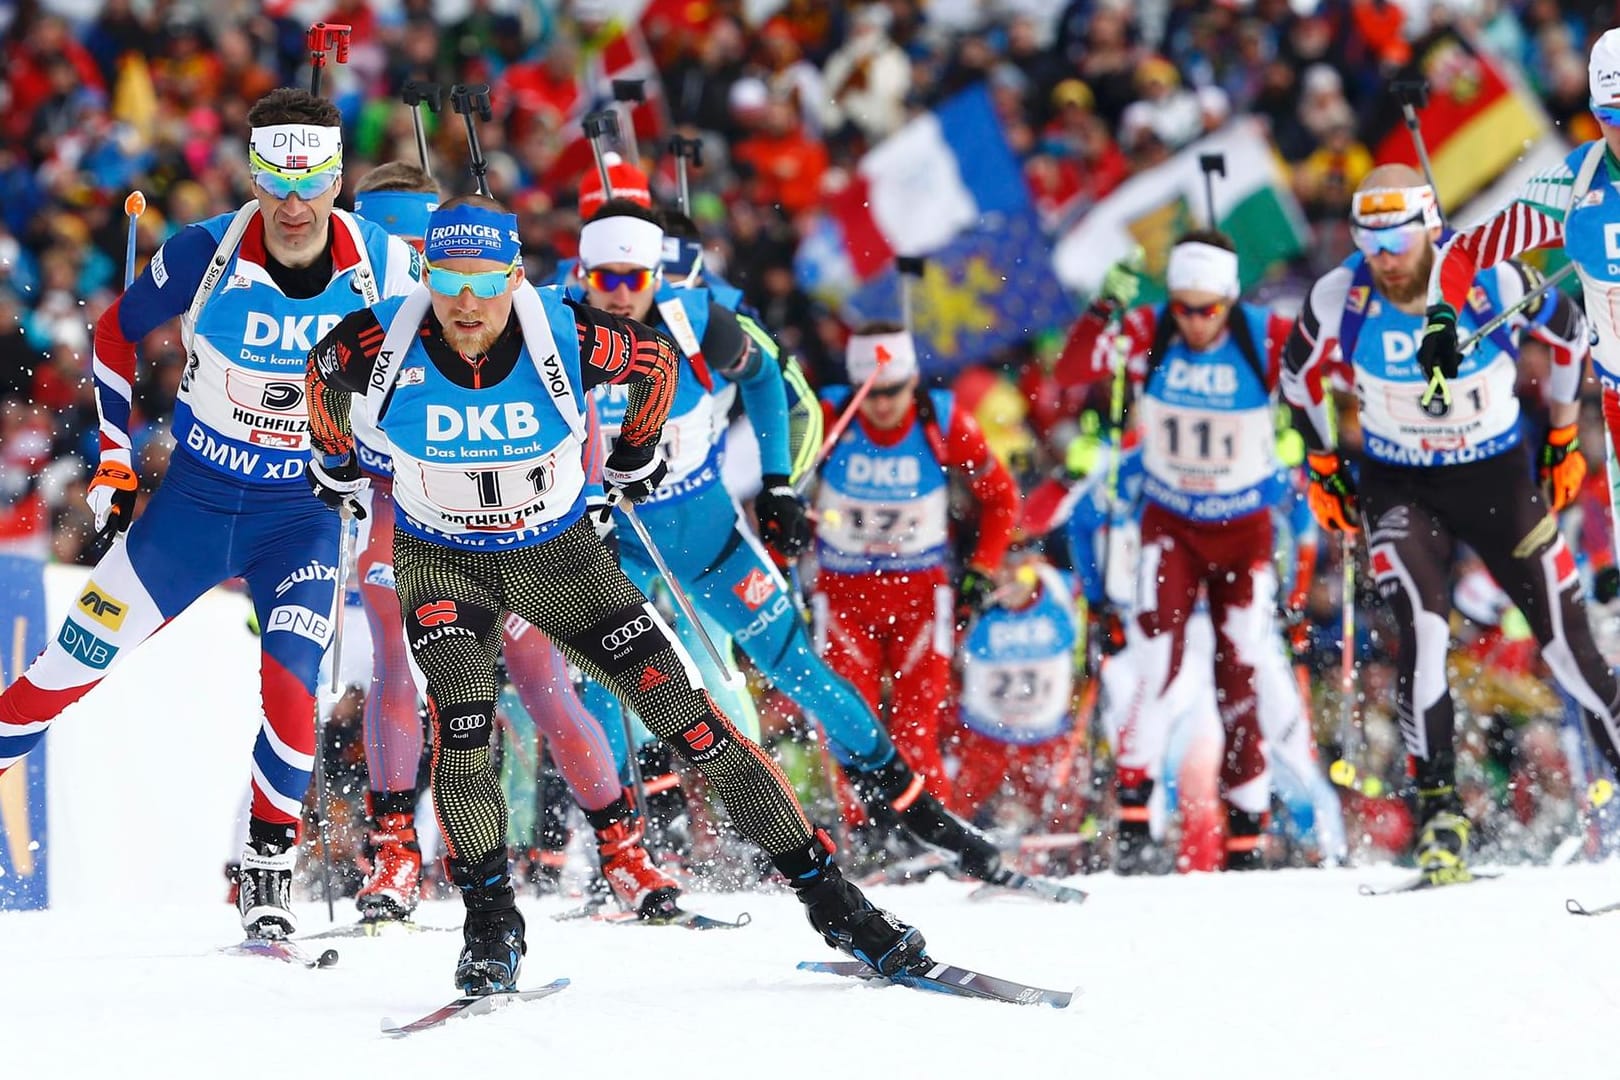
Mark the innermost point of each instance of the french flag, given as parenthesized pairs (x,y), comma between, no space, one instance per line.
(918,189)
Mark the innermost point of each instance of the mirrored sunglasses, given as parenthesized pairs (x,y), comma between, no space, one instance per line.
(1396,241)
(1202,311)
(608,280)
(1607,115)
(280,186)
(485,285)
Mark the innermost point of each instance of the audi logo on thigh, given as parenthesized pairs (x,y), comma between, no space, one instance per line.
(462,724)
(624,635)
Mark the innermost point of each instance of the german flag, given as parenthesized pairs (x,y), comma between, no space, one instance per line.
(1478,121)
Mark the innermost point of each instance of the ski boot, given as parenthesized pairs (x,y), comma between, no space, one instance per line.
(1442,847)
(394,886)
(1244,836)
(264,883)
(629,870)
(492,936)
(844,917)
(926,817)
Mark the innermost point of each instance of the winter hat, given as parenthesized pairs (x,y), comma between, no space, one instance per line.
(1603,70)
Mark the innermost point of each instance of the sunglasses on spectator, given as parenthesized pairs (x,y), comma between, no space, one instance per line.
(1607,115)
(1183,310)
(606,281)
(1396,241)
(281,186)
(889,391)
(486,285)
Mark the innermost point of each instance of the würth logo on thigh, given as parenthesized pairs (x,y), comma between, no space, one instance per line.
(437,613)
(700,736)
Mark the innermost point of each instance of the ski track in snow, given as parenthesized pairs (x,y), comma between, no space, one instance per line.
(1282,974)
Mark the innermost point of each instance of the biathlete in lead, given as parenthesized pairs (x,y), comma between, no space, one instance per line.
(477,382)
(708,545)
(1445,469)
(1204,368)
(401,196)
(254,289)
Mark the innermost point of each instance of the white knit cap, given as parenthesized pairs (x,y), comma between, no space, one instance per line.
(893,356)
(621,239)
(1603,70)
(1204,268)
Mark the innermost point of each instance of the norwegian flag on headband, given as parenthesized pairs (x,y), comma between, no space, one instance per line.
(297,161)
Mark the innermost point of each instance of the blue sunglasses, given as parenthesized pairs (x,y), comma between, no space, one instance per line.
(485,286)
(1607,115)
(1396,241)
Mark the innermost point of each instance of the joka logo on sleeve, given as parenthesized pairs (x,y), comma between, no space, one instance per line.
(101,606)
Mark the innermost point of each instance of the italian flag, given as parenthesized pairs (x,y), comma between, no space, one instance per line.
(1253,205)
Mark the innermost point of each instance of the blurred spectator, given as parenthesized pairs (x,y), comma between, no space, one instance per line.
(867,79)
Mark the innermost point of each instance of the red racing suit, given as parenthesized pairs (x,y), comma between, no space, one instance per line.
(884,603)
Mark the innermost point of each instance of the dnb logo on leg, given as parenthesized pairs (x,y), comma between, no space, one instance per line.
(85,647)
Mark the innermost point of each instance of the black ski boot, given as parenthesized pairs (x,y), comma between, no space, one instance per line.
(1244,835)
(926,817)
(492,935)
(264,882)
(844,917)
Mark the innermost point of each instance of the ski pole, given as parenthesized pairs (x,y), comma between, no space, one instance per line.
(324,36)
(417,94)
(685,149)
(468,101)
(802,485)
(1211,165)
(1413,95)
(628,509)
(911,269)
(597,126)
(345,552)
(627,94)
(1437,382)
(134,207)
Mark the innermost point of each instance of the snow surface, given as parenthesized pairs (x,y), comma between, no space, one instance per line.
(1283,974)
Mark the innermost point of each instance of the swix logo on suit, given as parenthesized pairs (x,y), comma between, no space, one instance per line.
(1483,419)
(1207,442)
(241,406)
(884,507)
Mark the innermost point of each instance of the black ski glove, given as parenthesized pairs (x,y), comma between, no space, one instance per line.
(338,485)
(632,473)
(1438,349)
(973,595)
(784,524)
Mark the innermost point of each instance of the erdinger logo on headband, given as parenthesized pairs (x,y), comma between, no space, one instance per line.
(472,232)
